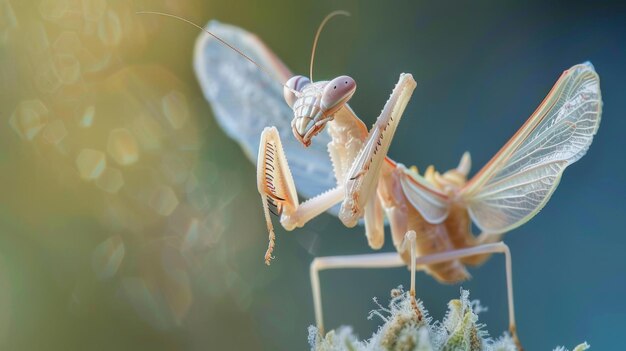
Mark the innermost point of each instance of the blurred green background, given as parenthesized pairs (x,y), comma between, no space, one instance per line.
(128,220)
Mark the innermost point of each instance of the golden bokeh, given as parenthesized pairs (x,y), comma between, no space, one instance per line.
(90,111)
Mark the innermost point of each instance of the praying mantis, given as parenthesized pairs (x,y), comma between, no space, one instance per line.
(429,214)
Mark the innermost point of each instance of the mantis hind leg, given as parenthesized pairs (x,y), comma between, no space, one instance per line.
(499,247)
(390,260)
(375,260)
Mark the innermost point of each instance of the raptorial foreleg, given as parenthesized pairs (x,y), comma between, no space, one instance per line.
(278,192)
(362,179)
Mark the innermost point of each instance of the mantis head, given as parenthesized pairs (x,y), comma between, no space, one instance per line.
(315,104)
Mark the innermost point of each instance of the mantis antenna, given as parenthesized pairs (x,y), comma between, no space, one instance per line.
(317,35)
(222,41)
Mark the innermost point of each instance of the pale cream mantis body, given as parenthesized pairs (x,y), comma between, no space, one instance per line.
(430,213)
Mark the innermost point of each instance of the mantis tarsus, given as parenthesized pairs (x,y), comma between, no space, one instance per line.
(429,215)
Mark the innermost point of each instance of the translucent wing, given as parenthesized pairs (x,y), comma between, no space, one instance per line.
(521,177)
(432,204)
(245,101)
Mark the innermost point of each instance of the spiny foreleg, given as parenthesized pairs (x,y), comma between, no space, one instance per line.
(278,192)
(362,179)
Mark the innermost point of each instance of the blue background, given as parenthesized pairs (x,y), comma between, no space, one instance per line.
(482,67)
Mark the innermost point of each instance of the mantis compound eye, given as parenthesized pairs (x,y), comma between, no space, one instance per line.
(337,92)
(296,83)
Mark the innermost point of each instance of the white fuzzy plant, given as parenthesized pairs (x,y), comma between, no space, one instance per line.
(407,327)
